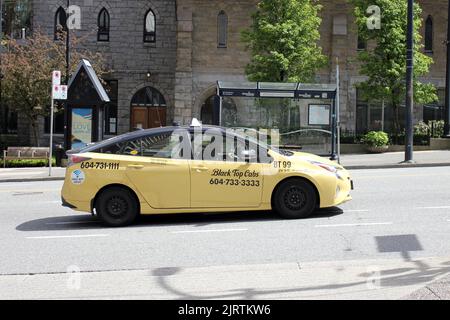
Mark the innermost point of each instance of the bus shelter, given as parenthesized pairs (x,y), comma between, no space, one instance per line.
(303,115)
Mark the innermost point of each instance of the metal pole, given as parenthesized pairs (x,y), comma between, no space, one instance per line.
(51,137)
(220,111)
(409,83)
(382,115)
(66,104)
(338,109)
(1,19)
(447,81)
(3,113)
(333,131)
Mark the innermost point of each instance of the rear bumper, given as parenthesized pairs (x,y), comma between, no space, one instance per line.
(66,204)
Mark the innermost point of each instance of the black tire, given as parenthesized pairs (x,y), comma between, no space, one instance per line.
(116,207)
(295,199)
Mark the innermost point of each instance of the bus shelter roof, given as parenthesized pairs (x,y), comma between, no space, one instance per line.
(294,90)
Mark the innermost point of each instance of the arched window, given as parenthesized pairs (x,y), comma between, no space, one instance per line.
(229,112)
(148,97)
(149,27)
(362,43)
(429,34)
(60,23)
(103,25)
(222,29)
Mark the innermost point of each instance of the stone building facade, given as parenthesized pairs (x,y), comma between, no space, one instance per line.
(186,59)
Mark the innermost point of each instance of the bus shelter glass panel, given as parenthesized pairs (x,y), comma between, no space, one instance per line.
(297,124)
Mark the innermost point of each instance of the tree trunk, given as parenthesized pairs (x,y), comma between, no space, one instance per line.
(35,132)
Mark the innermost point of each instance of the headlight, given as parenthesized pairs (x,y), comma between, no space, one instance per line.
(324,166)
(328,168)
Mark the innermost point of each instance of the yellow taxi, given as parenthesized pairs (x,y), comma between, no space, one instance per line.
(197,169)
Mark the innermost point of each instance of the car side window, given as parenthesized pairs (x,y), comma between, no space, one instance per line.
(164,145)
(114,148)
(132,148)
(210,146)
(216,146)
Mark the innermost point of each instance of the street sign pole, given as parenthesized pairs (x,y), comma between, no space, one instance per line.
(51,136)
(59,92)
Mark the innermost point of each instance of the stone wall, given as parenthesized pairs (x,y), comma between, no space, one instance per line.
(126,53)
(185,62)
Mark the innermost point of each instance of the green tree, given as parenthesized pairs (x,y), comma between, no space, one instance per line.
(27,67)
(283,41)
(385,63)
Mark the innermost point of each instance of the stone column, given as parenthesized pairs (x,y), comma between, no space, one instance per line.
(183,74)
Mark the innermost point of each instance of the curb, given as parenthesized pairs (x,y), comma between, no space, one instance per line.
(395,166)
(350,167)
(33,179)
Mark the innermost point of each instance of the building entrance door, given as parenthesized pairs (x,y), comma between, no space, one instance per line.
(148,109)
(147,117)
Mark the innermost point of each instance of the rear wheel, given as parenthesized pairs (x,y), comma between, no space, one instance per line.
(295,199)
(116,207)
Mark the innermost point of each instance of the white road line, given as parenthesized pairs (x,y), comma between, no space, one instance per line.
(70,222)
(211,230)
(72,236)
(431,208)
(353,224)
(357,210)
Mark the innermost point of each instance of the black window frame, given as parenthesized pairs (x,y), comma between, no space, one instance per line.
(222,26)
(60,11)
(361,43)
(149,36)
(112,107)
(103,24)
(9,121)
(429,34)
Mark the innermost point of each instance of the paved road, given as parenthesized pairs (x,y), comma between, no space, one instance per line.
(392,239)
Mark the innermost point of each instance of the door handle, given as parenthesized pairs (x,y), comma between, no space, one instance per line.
(135,166)
(200,168)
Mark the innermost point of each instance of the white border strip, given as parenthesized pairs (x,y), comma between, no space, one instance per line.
(354,225)
(211,230)
(72,236)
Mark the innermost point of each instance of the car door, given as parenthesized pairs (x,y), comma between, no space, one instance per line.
(219,178)
(162,179)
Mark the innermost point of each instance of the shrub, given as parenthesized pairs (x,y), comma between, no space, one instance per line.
(376,139)
(27,163)
(421,129)
(436,128)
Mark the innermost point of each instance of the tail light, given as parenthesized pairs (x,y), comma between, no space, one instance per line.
(74,159)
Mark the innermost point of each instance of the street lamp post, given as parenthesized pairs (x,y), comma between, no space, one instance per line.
(447,81)
(409,83)
(2,112)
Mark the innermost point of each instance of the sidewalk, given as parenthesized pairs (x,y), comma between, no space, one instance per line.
(31,174)
(436,158)
(437,290)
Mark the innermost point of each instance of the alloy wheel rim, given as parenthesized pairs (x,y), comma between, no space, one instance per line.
(117,207)
(294,198)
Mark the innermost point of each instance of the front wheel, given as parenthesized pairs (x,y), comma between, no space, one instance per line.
(295,199)
(116,207)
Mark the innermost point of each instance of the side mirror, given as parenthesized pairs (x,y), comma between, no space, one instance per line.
(249,155)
